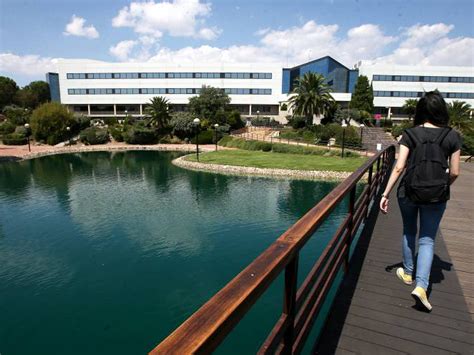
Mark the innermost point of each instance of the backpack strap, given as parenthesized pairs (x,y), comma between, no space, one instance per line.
(443,135)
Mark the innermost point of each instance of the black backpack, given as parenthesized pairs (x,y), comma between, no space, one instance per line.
(427,176)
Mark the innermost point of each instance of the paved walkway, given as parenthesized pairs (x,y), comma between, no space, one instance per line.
(374,313)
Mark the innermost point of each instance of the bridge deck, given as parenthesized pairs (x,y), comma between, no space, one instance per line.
(374,313)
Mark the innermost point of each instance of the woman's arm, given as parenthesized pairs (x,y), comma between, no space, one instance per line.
(396,172)
(454,166)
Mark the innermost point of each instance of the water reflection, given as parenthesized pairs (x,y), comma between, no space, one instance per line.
(125,245)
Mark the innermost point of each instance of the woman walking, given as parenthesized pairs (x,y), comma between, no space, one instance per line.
(429,155)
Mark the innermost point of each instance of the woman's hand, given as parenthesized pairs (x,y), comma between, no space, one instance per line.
(384,204)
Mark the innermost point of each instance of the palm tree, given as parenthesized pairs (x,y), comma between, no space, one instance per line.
(159,112)
(410,107)
(460,116)
(312,96)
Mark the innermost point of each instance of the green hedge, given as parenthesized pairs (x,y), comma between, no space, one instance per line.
(7,127)
(140,135)
(94,135)
(205,137)
(231,142)
(14,139)
(117,133)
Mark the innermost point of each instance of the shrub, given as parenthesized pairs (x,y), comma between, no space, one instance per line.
(351,136)
(139,134)
(225,140)
(117,133)
(234,120)
(7,127)
(49,122)
(182,124)
(468,144)
(265,146)
(81,122)
(398,129)
(94,135)
(205,137)
(17,115)
(297,122)
(110,121)
(21,130)
(14,139)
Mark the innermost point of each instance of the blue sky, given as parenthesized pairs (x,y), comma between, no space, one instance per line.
(34,33)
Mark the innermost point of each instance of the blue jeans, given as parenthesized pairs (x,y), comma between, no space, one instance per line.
(430,217)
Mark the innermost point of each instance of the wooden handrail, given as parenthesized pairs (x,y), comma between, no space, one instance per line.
(209,325)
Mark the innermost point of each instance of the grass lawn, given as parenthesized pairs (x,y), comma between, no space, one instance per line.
(260,159)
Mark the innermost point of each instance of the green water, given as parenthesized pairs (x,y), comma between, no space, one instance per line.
(107,253)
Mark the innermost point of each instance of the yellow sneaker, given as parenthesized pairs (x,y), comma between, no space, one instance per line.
(404,277)
(419,294)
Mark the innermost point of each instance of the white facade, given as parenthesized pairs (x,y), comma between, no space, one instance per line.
(91,87)
(70,88)
(412,83)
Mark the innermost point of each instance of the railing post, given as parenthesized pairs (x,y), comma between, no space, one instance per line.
(350,226)
(289,304)
(369,190)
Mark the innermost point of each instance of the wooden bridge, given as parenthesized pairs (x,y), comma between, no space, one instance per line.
(373,311)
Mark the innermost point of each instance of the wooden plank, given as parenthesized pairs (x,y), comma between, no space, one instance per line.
(391,341)
(408,334)
(409,322)
(392,306)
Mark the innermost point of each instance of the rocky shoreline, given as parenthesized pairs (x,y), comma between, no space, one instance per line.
(262,172)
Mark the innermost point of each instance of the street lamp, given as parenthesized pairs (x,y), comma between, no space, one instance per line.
(197,122)
(27,127)
(216,126)
(68,129)
(344,125)
(361,130)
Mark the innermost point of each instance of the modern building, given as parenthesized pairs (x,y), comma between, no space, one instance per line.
(101,89)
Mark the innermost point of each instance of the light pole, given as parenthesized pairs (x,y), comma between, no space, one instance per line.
(344,125)
(68,129)
(27,127)
(216,126)
(197,122)
(361,130)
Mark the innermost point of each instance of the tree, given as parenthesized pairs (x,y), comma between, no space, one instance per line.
(182,123)
(159,112)
(363,96)
(347,115)
(312,96)
(49,123)
(208,103)
(460,116)
(8,90)
(34,94)
(409,107)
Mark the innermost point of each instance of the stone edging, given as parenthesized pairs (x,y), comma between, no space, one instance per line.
(264,172)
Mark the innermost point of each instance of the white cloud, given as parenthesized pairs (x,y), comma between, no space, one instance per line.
(76,28)
(29,65)
(416,45)
(122,49)
(179,18)
(419,44)
(430,45)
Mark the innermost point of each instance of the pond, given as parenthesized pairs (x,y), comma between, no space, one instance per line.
(107,253)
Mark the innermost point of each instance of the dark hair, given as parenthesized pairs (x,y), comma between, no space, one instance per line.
(431,108)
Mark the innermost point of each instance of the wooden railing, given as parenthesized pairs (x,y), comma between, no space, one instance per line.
(207,327)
